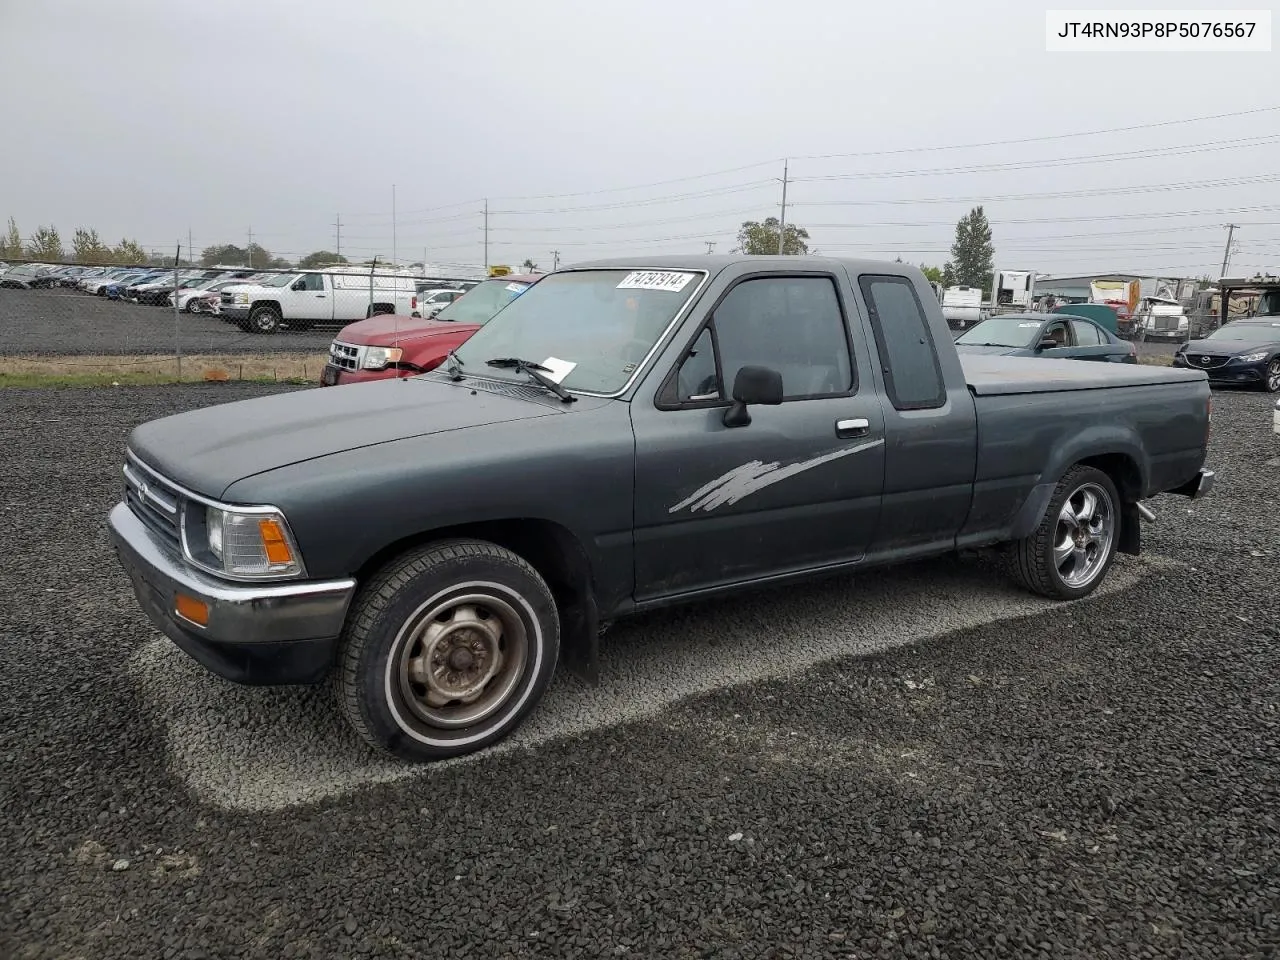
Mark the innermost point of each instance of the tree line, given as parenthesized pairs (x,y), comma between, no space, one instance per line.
(972,252)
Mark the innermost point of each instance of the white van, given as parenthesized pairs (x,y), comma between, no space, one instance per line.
(305,298)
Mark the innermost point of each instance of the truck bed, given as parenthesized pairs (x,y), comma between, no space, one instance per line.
(989,376)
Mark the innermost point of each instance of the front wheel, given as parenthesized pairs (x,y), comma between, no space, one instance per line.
(264,319)
(446,650)
(1069,553)
(1272,382)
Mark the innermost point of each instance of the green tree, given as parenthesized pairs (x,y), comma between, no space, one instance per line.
(46,245)
(973,255)
(761,238)
(87,247)
(11,247)
(933,274)
(529,266)
(128,252)
(320,258)
(224,253)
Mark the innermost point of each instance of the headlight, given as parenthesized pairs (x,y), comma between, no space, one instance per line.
(379,358)
(251,544)
(242,298)
(1253,357)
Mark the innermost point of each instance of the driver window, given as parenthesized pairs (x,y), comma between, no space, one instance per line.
(1056,332)
(697,379)
(313,281)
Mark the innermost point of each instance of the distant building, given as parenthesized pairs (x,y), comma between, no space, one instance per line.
(1077,287)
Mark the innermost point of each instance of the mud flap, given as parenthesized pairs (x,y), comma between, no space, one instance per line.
(580,639)
(1130,541)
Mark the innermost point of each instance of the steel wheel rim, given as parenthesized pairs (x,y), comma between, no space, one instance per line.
(459,661)
(265,322)
(1082,540)
(1273,376)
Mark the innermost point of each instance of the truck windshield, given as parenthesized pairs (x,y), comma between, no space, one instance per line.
(1001,332)
(1269,304)
(590,328)
(482,301)
(279,280)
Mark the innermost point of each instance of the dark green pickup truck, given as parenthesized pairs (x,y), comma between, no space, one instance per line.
(625,435)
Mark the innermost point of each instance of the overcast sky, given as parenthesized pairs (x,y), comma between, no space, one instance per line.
(147,119)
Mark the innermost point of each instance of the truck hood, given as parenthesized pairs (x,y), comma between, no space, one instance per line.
(209,449)
(387,329)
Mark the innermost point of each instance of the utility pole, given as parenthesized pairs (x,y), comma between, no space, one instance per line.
(711,244)
(486,237)
(555,260)
(393,226)
(337,226)
(250,250)
(1226,256)
(782,221)
(177,314)
(191,254)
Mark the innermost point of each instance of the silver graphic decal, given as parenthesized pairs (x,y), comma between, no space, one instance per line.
(755,476)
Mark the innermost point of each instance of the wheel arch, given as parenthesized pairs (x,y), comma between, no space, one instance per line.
(551,549)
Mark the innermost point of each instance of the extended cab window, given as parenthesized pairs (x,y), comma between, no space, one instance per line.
(790,324)
(913,378)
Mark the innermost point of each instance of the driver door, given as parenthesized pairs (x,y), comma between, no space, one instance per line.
(796,488)
(1059,331)
(310,298)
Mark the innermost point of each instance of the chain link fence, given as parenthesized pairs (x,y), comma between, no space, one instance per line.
(220,322)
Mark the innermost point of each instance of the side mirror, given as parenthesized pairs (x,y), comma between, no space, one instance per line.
(1048,343)
(752,385)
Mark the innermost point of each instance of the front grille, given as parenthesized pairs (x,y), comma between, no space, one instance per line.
(1205,362)
(153,501)
(345,356)
(228,299)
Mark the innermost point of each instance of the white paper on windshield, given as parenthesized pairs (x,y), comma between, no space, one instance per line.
(515,287)
(557,369)
(655,280)
(1035,324)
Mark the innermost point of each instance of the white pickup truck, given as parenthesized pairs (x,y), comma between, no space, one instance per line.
(304,298)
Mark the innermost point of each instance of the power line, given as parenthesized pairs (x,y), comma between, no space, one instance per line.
(1013,165)
(1040,139)
(1058,195)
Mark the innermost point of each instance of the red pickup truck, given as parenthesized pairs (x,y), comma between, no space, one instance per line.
(387,345)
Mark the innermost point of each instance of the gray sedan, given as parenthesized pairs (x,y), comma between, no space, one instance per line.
(1040,335)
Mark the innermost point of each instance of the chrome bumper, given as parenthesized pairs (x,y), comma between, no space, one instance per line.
(249,627)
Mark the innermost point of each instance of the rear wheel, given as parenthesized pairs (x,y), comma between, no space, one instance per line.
(1069,553)
(264,319)
(446,650)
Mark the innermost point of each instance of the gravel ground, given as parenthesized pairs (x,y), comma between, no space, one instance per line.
(41,323)
(1095,781)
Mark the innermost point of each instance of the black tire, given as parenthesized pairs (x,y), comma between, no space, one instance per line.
(1271,380)
(264,319)
(390,664)
(1037,561)
(378,309)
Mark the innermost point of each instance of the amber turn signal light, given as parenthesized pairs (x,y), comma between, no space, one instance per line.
(274,542)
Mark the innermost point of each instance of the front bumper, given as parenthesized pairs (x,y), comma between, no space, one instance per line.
(234,311)
(335,376)
(277,633)
(1230,372)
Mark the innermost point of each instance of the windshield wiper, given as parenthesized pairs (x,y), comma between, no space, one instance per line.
(534,371)
(454,364)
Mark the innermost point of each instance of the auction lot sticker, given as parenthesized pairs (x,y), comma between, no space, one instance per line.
(655,280)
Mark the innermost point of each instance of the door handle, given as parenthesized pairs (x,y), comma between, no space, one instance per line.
(857,427)
(319,296)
